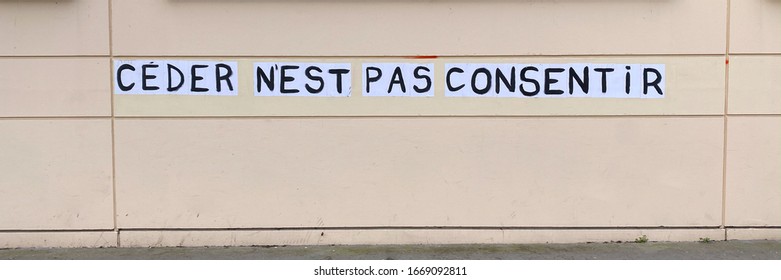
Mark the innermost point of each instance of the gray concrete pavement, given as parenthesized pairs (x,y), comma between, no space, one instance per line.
(610,251)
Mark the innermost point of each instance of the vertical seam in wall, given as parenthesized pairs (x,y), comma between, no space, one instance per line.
(111,93)
(726,119)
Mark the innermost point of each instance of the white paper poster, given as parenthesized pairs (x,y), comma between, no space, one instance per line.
(176,77)
(555,80)
(398,79)
(302,79)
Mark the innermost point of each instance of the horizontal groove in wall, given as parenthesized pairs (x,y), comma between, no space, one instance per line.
(411,116)
(752,227)
(416,228)
(392,228)
(754,115)
(411,56)
(55,117)
(56,56)
(755,54)
(54,230)
(374,116)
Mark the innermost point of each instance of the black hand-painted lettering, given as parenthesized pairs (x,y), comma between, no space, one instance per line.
(225,77)
(488,79)
(372,78)
(397,78)
(262,78)
(319,79)
(654,83)
(628,80)
(284,78)
(419,76)
(524,78)
(501,79)
(122,85)
(447,79)
(145,77)
(339,73)
(582,82)
(550,81)
(171,87)
(604,72)
(195,78)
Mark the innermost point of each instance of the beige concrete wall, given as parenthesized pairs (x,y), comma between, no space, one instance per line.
(418,172)
(753,155)
(83,167)
(388,28)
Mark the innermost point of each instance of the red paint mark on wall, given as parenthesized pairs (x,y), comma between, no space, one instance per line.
(424,57)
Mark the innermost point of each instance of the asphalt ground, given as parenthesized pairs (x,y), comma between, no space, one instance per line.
(716,250)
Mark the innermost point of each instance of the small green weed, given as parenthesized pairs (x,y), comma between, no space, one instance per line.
(641,239)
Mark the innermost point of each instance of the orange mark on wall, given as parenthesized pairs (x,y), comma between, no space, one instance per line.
(424,57)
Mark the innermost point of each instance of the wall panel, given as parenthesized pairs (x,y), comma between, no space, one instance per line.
(754,171)
(56,174)
(382,28)
(67,87)
(754,86)
(335,172)
(48,27)
(754,26)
